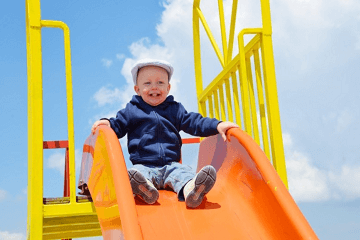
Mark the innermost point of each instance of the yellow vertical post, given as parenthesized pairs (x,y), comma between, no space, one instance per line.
(255,127)
(228,100)
(260,91)
(244,84)
(211,106)
(223,30)
(236,98)
(232,30)
(197,53)
(271,96)
(222,102)
(70,112)
(217,109)
(35,121)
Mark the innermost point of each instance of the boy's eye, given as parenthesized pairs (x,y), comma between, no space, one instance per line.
(147,83)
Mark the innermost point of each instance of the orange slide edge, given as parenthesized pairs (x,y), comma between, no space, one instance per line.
(275,184)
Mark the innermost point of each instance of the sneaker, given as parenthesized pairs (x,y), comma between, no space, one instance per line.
(142,187)
(201,184)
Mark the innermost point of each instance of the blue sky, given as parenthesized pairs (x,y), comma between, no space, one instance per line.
(317,54)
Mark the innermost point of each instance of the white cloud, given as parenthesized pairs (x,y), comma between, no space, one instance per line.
(106,62)
(346,182)
(305,32)
(57,161)
(306,182)
(120,56)
(105,95)
(113,98)
(3,194)
(11,236)
(318,14)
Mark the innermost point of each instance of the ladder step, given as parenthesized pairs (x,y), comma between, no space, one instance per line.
(71,227)
(76,234)
(63,200)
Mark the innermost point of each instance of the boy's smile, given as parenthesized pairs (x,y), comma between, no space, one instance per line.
(152,85)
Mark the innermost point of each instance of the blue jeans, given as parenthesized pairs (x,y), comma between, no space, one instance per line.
(174,175)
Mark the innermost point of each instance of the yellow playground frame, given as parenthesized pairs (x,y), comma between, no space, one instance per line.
(214,102)
(55,219)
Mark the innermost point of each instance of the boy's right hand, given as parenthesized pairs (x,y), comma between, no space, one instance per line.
(98,123)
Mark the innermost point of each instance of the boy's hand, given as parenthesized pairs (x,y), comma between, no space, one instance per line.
(100,122)
(224,126)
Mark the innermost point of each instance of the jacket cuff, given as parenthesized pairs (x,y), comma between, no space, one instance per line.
(216,123)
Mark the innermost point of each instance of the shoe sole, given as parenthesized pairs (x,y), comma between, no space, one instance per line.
(141,188)
(204,182)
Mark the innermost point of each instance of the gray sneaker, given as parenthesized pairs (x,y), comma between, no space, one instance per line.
(142,187)
(201,184)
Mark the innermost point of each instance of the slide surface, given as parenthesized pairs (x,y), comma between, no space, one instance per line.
(248,201)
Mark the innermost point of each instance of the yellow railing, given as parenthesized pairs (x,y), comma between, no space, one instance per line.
(252,74)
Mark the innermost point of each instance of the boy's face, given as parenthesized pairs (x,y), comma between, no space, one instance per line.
(152,85)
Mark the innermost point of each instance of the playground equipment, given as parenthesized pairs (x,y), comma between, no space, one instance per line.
(249,200)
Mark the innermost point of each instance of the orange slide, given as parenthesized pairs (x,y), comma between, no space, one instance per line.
(248,201)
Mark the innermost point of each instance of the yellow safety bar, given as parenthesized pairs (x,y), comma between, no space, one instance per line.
(221,99)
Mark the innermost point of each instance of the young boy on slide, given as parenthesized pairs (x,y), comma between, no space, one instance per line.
(153,120)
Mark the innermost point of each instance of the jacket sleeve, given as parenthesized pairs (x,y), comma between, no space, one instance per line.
(197,125)
(120,123)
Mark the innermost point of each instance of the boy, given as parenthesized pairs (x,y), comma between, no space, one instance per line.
(153,120)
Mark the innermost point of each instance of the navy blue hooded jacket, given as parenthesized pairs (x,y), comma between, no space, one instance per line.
(153,132)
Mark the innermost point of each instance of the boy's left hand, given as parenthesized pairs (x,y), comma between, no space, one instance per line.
(224,126)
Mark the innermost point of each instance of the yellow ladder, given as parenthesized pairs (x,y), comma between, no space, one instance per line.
(68,217)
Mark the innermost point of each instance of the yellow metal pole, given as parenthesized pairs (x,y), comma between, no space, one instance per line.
(232,30)
(35,121)
(229,100)
(252,102)
(244,85)
(223,30)
(211,106)
(216,99)
(271,96)
(197,54)
(222,102)
(260,91)
(236,98)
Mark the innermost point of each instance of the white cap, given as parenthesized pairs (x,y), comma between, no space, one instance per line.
(151,62)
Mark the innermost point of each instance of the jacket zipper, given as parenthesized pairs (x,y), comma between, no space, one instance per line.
(161,150)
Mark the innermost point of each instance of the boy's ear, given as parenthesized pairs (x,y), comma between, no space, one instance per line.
(137,90)
(169,87)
